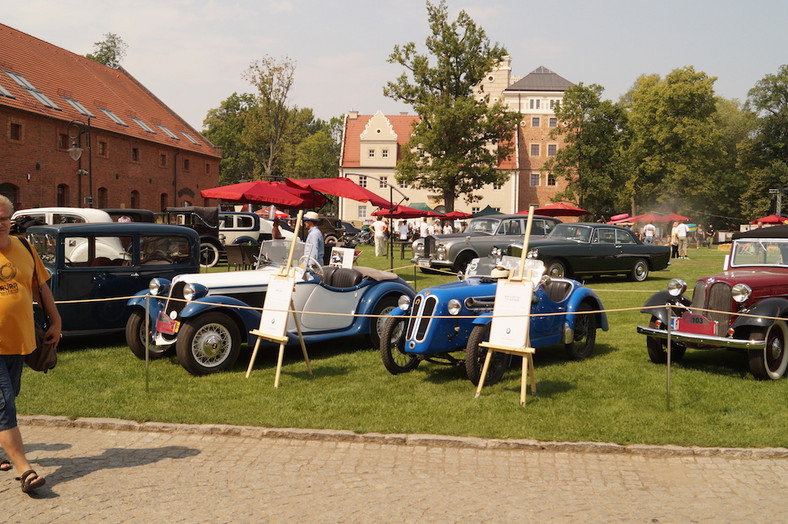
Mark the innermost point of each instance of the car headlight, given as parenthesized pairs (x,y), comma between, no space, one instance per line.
(404,302)
(676,287)
(741,292)
(454,307)
(495,252)
(440,250)
(418,249)
(193,291)
(532,253)
(158,287)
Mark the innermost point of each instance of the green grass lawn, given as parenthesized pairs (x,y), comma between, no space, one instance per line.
(618,395)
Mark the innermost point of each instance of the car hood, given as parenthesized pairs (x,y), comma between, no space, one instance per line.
(774,279)
(461,289)
(228,279)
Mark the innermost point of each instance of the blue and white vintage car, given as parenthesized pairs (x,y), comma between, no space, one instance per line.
(207,316)
(456,317)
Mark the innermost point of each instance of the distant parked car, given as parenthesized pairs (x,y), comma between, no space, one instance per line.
(247,228)
(63,215)
(587,249)
(122,214)
(204,220)
(455,251)
(743,308)
(105,260)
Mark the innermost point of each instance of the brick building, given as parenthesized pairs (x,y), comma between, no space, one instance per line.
(372,144)
(136,152)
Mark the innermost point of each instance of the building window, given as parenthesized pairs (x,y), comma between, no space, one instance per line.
(534,149)
(102,149)
(15,131)
(552,149)
(475,209)
(31,89)
(63,195)
(186,164)
(168,132)
(135,154)
(534,103)
(145,127)
(553,122)
(384,153)
(103,197)
(384,182)
(163,160)
(163,201)
(112,116)
(362,211)
(535,121)
(79,107)
(535,179)
(62,141)
(371,153)
(135,199)
(497,187)
(191,138)
(207,168)
(551,180)
(362,181)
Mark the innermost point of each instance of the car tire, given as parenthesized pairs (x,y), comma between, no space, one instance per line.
(639,271)
(475,355)
(584,335)
(770,363)
(209,254)
(208,343)
(658,348)
(556,269)
(462,261)
(384,306)
(135,338)
(392,347)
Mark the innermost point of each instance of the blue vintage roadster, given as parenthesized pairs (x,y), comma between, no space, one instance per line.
(207,316)
(456,317)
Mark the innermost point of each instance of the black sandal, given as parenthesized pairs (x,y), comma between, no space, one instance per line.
(5,465)
(29,485)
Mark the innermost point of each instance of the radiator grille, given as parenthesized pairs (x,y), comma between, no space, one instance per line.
(720,299)
(422,311)
(699,294)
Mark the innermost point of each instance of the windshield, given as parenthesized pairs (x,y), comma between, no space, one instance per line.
(44,245)
(483,225)
(760,252)
(578,233)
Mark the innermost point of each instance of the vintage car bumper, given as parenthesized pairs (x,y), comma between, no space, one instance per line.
(702,340)
(431,262)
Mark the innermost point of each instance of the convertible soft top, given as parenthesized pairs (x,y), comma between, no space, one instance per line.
(764,232)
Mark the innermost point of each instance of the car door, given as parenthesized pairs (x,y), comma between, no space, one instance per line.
(606,255)
(313,300)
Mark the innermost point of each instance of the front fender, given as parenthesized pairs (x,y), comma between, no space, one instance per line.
(585,295)
(770,307)
(483,319)
(374,294)
(234,307)
(663,298)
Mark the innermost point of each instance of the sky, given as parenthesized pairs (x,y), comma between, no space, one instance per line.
(192,53)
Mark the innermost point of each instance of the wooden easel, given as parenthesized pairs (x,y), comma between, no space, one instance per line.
(513,347)
(273,314)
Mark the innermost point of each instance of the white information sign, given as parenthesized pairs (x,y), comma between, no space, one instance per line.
(510,325)
(342,257)
(273,322)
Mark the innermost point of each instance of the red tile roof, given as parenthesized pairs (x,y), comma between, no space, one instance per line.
(351,147)
(58,73)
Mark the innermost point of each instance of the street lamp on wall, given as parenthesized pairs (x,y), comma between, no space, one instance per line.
(75,152)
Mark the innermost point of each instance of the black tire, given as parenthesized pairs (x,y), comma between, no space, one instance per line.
(556,269)
(584,337)
(639,271)
(462,261)
(771,362)
(330,239)
(208,343)
(384,306)
(475,355)
(392,347)
(658,348)
(209,254)
(135,337)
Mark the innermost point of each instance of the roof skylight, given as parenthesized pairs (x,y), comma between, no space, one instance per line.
(191,138)
(30,88)
(143,125)
(79,107)
(5,92)
(113,117)
(168,132)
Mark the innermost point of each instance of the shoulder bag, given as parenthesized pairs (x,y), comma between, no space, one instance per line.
(44,357)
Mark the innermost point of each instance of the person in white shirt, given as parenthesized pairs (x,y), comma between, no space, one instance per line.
(404,231)
(447,229)
(681,233)
(424,228)
(649,232)
(379,229)
(431,228)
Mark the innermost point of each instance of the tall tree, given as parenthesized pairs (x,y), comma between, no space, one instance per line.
(224,127)
(457,143)
(675,144)
(594,132)
(109,51)
(270,121)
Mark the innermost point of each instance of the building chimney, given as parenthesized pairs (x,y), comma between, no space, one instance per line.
(352,115)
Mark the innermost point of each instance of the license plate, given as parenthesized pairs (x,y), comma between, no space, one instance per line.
(696,324)
(165,325)
(424,262)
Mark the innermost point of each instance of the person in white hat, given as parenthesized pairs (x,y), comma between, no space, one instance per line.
(314,246)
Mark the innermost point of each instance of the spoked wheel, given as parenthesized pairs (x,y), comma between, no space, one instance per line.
(582,345)
(135,338)
(770,362)
(475,355)
(381,311)
(208,343)
(392,347)
(209,254)
(658,348)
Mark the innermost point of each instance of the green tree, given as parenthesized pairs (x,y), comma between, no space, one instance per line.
(224,127)
(735,126)
(109,51)
(458,141)
(675,146)
(594,132)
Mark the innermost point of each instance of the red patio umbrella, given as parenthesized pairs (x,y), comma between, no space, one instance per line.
(771,219)
(264,192)
(557,209)
(405,212)
(459,215)
(650,217)
(341,187)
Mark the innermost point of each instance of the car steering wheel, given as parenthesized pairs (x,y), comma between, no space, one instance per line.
(311,265)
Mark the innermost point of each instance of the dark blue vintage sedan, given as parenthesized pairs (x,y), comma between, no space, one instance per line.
(92,262)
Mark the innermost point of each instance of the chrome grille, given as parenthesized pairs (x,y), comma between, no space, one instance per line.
(413,311)
(699,295)
(720,299)
(422,311)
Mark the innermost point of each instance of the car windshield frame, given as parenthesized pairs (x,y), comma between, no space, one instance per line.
(575,232)
(480,225)
(760,252)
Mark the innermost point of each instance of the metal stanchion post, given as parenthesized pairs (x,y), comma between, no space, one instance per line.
(667,392)
(147,339)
